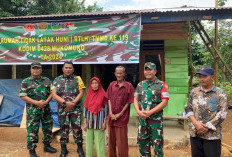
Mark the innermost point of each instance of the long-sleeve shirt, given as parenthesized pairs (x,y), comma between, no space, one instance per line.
(95,121)
(209,108)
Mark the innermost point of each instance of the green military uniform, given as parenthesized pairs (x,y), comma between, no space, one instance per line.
(37,89)
(150,130)
(68,89)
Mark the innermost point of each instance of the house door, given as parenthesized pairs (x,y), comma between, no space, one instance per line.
(154,56)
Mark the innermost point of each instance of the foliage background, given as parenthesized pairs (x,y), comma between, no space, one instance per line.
(9,8)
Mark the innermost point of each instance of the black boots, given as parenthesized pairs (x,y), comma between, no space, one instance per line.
(80,150)
(49,149)
(32,153)
(64,150)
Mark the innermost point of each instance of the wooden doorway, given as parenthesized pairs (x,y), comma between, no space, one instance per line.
(154,56)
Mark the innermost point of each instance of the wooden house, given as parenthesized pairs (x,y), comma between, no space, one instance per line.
(164,40)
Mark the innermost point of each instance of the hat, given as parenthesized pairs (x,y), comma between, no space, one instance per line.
(150,65)
(36,64)
(206,71)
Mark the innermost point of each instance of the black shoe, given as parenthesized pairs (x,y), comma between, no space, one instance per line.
(64,150)
(80,150)
(49,149)
(32,153)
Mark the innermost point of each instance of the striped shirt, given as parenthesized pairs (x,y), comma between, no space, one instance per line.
(95,121)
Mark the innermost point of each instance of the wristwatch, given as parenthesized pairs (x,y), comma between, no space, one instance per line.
(64,103)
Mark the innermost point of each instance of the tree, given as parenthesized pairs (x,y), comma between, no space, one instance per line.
(221,3)
(201,55)
(197,50)
(44,7)
(14,7)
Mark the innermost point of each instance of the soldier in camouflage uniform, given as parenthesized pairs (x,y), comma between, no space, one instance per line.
(68,90)
(35,91)
(151,96)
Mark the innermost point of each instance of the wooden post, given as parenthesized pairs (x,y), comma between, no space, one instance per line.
(54,71)
(14,72)
(190,59)
(83,71)
(216,46)
(87,73)
(190,44)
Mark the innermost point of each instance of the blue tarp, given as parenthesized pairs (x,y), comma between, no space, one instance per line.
(11,110)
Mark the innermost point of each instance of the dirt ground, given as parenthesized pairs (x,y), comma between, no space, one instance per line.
(227,129)
(13,144)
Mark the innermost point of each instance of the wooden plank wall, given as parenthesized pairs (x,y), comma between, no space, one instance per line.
(176,74)
(164,31)
(175,36)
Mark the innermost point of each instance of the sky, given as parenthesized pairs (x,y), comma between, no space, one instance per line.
(117,5)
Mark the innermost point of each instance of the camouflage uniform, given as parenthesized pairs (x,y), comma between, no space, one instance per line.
(37,89)
(150,131)
(68,89)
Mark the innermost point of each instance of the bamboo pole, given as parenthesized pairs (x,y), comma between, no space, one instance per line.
(216,46)
(13,71)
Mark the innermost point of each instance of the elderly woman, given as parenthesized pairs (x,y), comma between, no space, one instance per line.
(95,114)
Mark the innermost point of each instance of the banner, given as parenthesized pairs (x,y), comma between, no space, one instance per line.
(105,40)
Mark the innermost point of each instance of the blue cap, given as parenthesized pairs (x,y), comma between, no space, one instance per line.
(206,71)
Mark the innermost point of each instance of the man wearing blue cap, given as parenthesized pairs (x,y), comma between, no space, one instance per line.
(206,108)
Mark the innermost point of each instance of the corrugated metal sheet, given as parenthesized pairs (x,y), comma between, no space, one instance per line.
(105,13)
(192,9)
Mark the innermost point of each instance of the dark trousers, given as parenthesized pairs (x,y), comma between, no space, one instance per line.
(205,148)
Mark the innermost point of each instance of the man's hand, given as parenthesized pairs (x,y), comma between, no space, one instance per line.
(41,104)
(46,102)
(201,128)
(117,116)
(74,102)
(112,116)
(142,114)
(69,106)
(148,113)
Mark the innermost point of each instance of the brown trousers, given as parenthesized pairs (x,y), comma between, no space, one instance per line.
(118,136)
